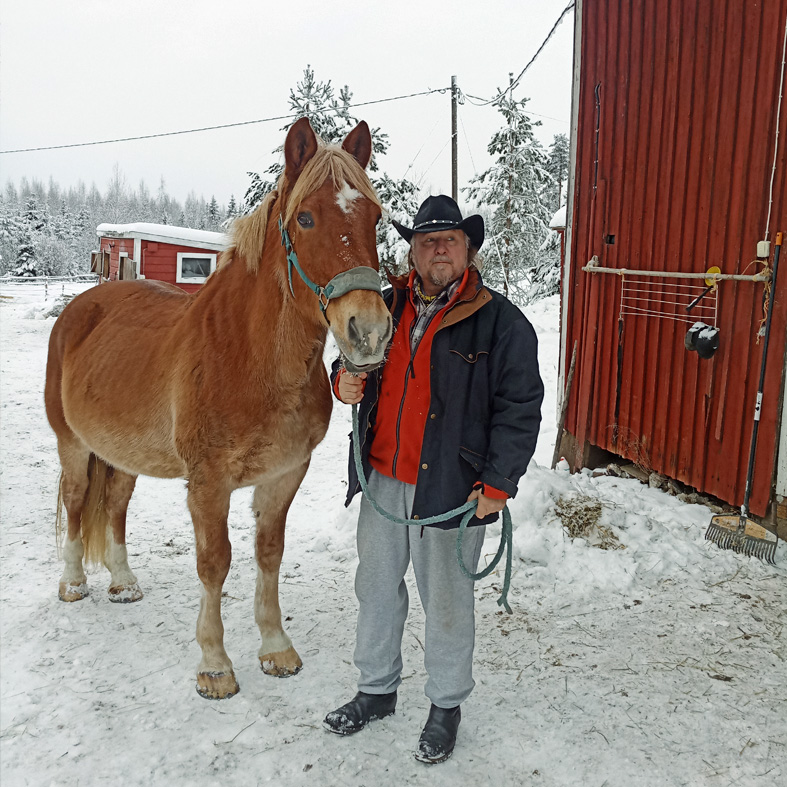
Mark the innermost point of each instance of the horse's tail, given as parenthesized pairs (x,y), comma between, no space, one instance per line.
(95,517)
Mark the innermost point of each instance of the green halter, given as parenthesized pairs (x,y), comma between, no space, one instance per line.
(361,277)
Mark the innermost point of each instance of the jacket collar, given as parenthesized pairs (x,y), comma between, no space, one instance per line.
(471,298)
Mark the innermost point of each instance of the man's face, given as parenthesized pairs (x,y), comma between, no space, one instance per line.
(439,258)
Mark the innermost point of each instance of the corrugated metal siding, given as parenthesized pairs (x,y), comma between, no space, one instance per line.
(687,102)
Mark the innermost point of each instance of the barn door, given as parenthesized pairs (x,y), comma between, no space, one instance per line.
(127,268)
(99,263)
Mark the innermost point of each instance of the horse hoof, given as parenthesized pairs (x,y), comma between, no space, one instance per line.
(217,685)
(282,664)
(125,594)
(69,592)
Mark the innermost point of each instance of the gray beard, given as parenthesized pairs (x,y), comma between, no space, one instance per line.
(438,280)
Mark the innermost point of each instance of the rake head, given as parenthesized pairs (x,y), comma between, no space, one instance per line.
(741,534)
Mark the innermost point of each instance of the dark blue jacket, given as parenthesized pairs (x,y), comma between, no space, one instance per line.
(486,395)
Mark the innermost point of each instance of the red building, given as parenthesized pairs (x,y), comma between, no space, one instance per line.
(676,167)
(178,255)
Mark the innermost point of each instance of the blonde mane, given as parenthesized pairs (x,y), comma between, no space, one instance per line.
(330,161)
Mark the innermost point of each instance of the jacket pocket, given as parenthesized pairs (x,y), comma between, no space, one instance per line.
(476,460)
(470,357)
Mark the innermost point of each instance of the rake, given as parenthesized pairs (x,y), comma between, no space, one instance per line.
(739,533)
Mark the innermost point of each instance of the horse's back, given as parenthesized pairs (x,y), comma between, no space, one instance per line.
(109,374)
(129,300)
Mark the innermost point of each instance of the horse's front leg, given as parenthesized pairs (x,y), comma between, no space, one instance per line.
(209,502)
(271,502)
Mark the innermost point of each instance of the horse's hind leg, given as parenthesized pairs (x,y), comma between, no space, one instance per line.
(74,460)
(123,585)
(271,502)
(209,504)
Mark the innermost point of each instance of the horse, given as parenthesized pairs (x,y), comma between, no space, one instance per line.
(225,387)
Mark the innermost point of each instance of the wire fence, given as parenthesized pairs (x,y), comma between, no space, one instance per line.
(12,287)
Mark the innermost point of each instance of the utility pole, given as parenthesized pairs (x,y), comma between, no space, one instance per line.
(454,175)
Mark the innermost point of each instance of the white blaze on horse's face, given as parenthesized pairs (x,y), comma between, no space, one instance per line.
(359,320)
(345,199)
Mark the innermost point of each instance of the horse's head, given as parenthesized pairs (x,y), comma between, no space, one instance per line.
(329,211)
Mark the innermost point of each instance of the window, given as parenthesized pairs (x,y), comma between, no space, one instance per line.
(194,268)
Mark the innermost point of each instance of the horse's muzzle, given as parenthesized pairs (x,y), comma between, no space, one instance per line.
(363,342)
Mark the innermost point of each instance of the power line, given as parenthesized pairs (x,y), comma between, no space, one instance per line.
(478,102)
(224,125)
(510,89)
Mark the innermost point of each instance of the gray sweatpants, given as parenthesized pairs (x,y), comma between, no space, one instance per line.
(384,552)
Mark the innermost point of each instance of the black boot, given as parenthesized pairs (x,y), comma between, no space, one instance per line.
(359,711)
(439,735)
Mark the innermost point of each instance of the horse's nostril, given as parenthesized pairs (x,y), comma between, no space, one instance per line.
(352,330)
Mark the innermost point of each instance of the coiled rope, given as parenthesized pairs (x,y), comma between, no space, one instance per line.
(468,508)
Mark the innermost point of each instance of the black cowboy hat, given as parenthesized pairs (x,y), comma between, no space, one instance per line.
(442,213)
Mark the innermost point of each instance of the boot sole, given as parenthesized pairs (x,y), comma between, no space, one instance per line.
(432,760)
(352,730)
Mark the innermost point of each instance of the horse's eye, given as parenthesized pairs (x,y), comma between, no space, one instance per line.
(305,220)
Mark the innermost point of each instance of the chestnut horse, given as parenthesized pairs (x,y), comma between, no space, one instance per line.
(225,387)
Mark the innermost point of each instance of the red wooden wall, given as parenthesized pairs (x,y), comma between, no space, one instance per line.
(160,261)
(684,93)
(115,246)
(157,260)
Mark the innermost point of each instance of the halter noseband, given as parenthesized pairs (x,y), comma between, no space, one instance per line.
(360,278)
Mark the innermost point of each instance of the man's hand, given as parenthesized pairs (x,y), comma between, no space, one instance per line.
(350,387)
(486,505)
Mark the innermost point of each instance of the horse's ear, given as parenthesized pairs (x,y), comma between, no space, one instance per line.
(299,147)
(358,143)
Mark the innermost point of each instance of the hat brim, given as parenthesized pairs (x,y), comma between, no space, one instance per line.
(472,226)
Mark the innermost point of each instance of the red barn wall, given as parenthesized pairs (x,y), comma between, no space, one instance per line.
(679,173)
(157,260)
(114,246)
(160,261)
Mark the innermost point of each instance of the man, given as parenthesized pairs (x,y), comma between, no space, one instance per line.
(452,416)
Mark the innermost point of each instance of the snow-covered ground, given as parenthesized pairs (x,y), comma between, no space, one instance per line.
(663,663)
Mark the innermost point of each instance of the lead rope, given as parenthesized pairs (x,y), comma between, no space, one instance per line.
(506,537)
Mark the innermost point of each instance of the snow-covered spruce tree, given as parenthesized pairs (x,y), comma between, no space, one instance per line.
(398,198)
(25,263)
(545,276)
(331,119)
(31,227)
(213,215)
(232,208)
(514,189)
(557,167)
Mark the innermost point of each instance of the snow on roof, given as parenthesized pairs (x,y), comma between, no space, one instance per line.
(165,233)
(558,220)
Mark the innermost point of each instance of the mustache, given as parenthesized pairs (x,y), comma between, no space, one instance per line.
(440,258)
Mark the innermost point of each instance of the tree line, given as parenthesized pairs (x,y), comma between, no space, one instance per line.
(517,196)
(47,230)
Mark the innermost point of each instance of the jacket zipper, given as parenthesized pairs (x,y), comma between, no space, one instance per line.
(409,372)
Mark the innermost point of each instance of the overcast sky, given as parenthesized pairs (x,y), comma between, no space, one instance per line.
(87,70)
